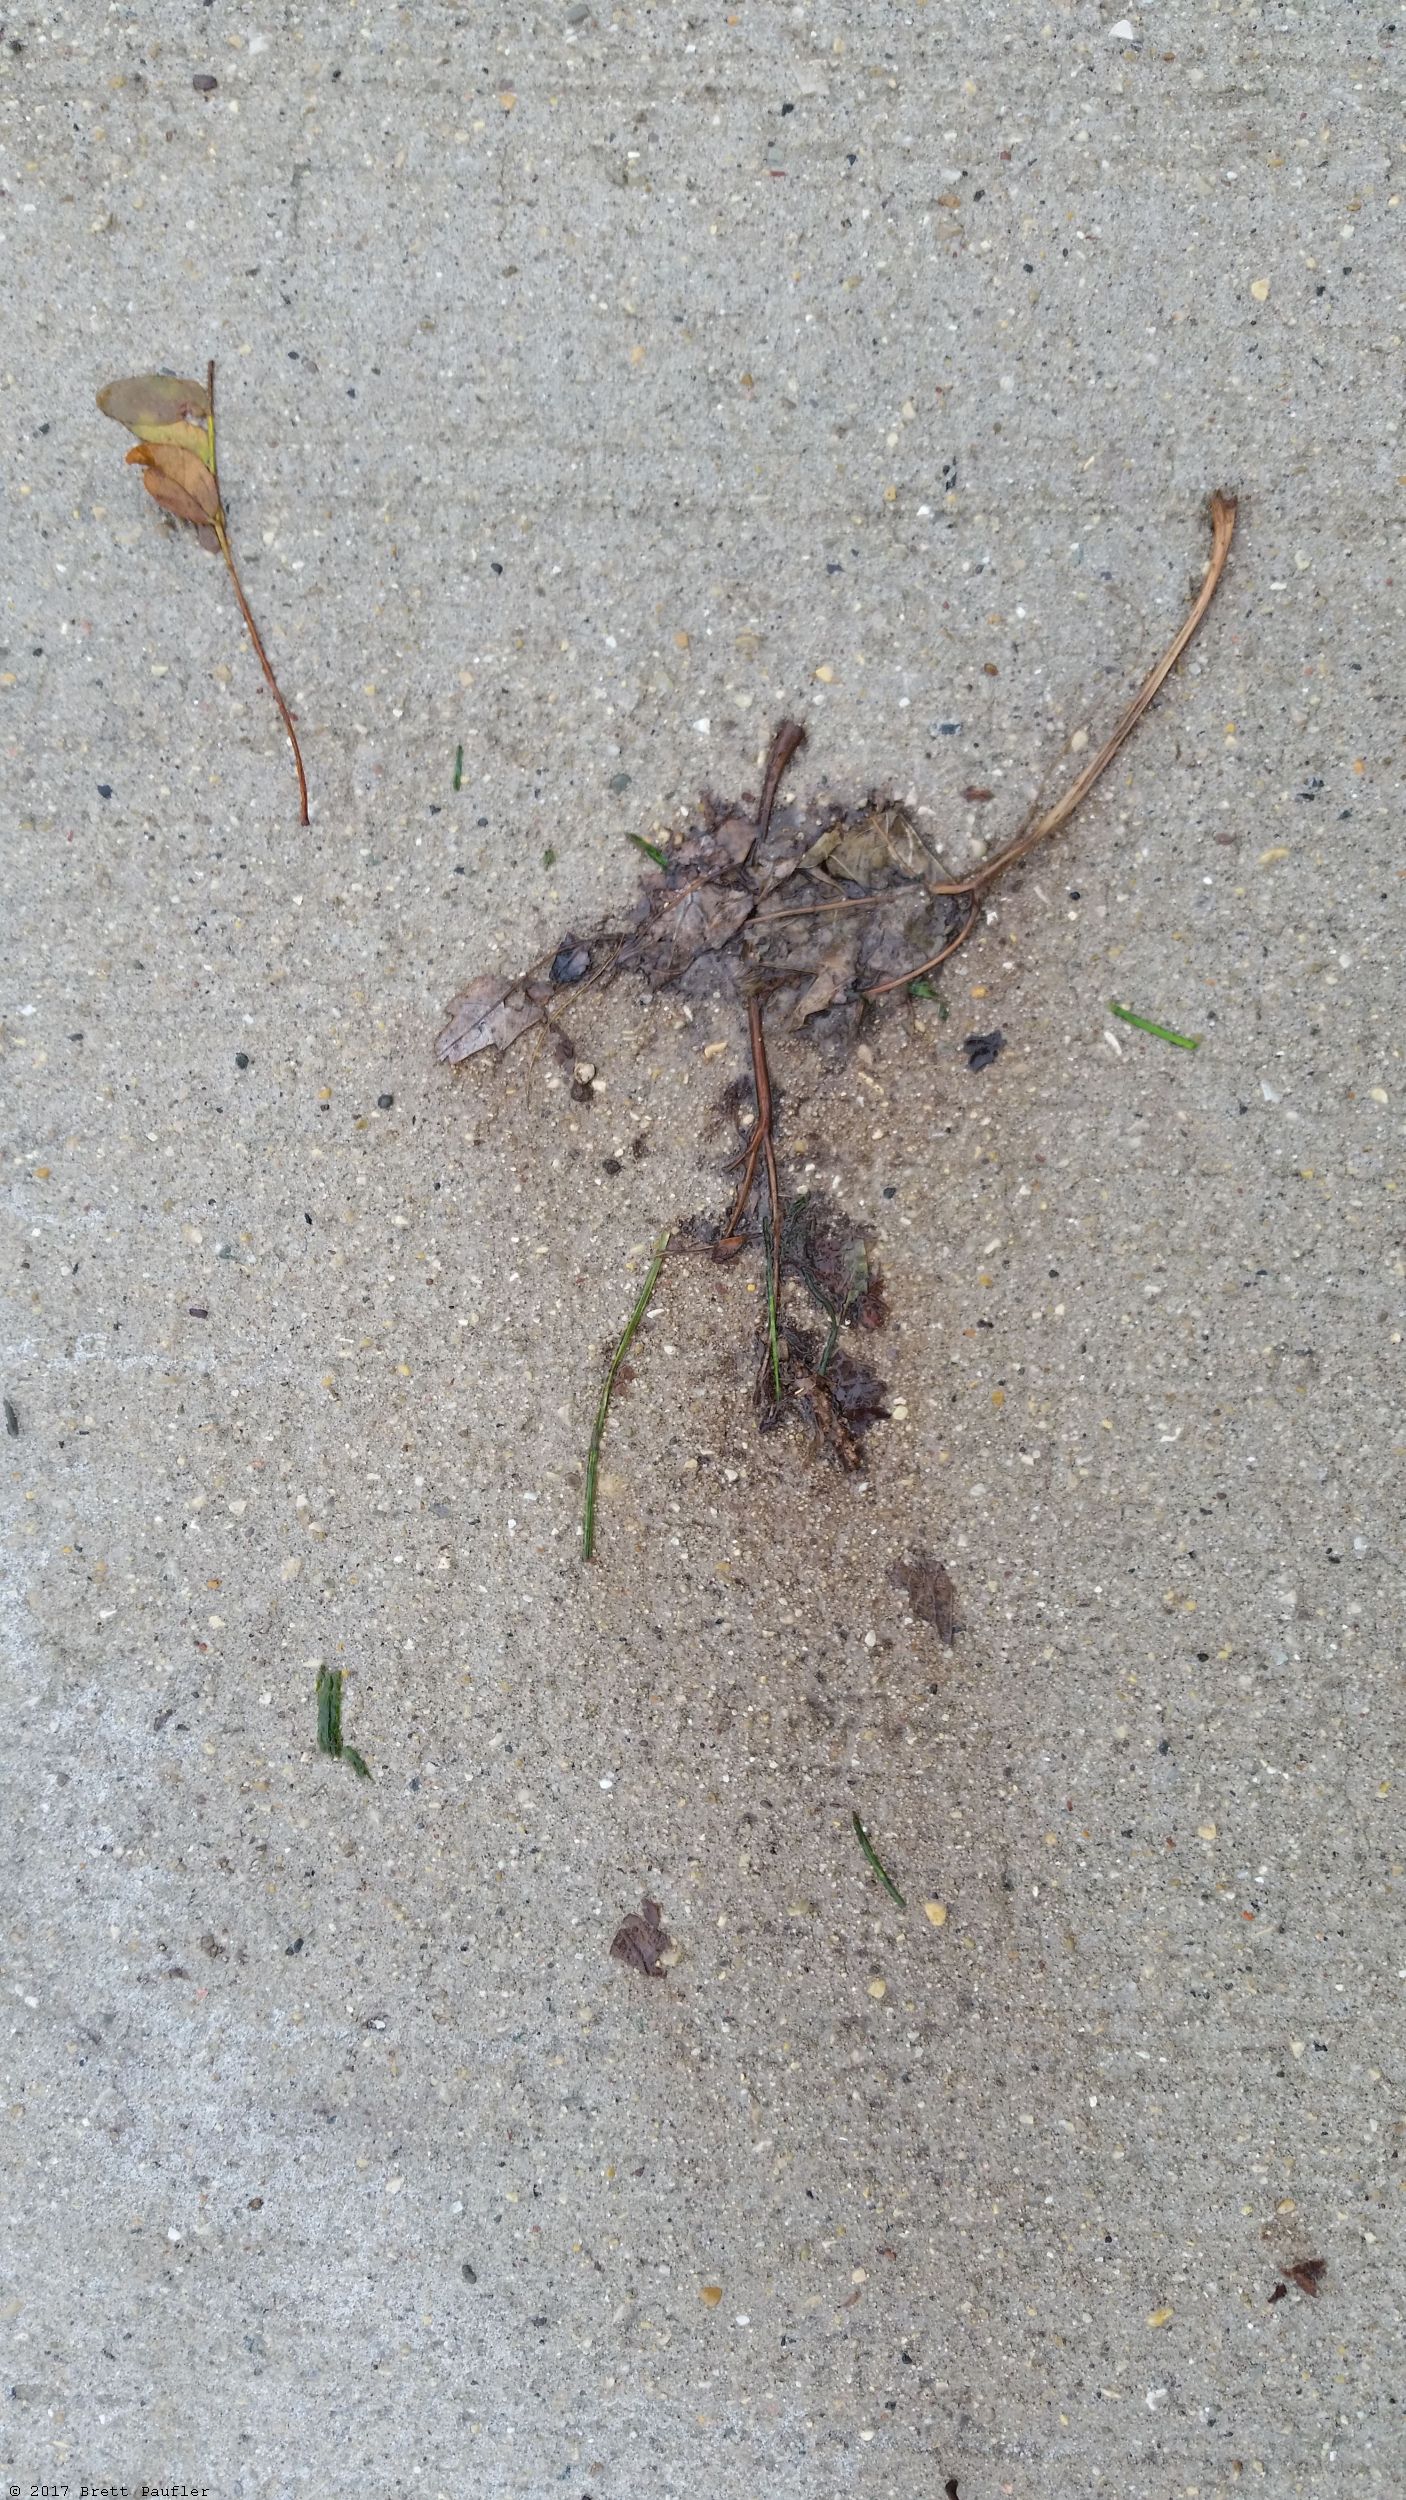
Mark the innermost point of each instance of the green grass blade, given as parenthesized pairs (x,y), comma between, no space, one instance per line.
(1159,1032)
(646,1295)
(879,1868)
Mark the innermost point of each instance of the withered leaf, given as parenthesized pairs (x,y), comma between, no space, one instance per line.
(640,1939)
(180,482)
(1308,2275)
(162,408)
(931,1594)
(839,1402)
(489,1015)
(696,921)
(1280,2292)
(874,849)
(831,981)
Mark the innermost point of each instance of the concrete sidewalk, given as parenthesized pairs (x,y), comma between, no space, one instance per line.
(596,388)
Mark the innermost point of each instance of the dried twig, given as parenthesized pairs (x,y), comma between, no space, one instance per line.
(974,886)
(588,1524)
(260,654)
(789,736)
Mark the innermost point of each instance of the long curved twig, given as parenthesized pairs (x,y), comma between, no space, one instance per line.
(974,886)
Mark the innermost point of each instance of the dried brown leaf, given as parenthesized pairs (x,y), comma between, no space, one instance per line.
(832,979)
(696,921)
(489,1015)
(187,475)
(878,848)
(1308,2275)
(931,1594)
(718,847)
(640,1939)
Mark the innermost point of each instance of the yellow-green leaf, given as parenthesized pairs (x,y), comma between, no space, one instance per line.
(162,408)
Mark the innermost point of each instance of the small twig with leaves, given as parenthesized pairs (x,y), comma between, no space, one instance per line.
(174,422)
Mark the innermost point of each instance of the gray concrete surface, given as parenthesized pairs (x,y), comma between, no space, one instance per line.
(592,384)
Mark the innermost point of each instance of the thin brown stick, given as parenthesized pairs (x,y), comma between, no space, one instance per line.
(789,735)
(1222,531)
(246,612)
(757,1037)
(730,1241)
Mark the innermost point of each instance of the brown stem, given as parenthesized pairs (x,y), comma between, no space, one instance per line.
(246,612)
(973,887)
(730,1241)
(789,735)
(764,1118)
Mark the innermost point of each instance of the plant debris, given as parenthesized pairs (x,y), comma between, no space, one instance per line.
(983,1050)
(1159,1032)
(458,781)
(1280,2292)
(626,1339)
(1307,2276)
(12,1421)
(877,1864)
(930,1594)
(174,422)
(329,1720)
(807,919)
(640,1939)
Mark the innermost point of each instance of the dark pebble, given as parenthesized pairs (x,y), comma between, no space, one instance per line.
(12,1421)
(196,1310)
(385,1102)
(241,1058)
(204,84)
(468,2273)
(104,789)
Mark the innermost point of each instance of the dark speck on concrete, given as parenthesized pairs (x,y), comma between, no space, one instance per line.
(385,1102)
(241,1058)
(104,789)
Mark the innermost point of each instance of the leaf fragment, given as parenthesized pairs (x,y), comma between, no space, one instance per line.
(930,1593)
(640,1940)
(696,921)
(489,1015)
(180,481)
